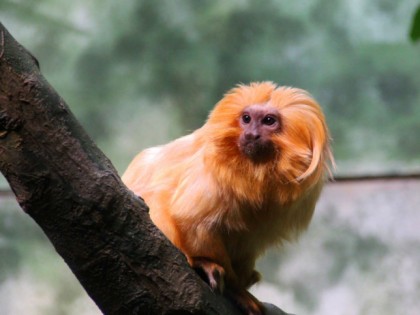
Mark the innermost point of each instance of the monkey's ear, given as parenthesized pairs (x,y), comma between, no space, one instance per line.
(322,160)
(305,124)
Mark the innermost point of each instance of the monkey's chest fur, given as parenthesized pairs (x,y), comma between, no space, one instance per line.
(225,225)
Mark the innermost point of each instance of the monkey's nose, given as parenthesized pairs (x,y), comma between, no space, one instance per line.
(252,135)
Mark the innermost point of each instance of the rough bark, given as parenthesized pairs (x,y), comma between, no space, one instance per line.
(66,184)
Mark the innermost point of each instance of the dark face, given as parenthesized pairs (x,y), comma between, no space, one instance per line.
(258,124)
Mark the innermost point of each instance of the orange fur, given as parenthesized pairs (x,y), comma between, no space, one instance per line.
(212,201)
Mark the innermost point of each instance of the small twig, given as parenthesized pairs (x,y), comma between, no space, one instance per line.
(379,177)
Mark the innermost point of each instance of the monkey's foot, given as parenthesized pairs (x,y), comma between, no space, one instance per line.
(246,302)
(211,272)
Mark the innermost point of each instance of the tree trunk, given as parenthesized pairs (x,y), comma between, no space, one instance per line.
(66,184)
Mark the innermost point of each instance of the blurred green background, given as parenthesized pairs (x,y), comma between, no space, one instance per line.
(139,73)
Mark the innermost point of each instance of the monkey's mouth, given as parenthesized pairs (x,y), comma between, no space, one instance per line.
(257,151)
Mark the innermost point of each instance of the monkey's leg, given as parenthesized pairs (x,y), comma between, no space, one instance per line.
(246,302)
(237,291)
(254,278)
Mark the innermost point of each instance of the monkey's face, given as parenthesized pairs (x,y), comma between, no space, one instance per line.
(258,125)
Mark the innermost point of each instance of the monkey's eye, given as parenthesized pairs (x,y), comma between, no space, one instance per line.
(246,118)
(269,120)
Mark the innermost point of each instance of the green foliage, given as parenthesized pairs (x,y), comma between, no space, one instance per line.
(120,60)
(14,231)
(415,27)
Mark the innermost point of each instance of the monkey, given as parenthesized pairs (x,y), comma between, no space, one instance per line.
(248,179)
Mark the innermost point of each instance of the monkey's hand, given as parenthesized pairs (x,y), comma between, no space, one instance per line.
(211,272)
(214,275)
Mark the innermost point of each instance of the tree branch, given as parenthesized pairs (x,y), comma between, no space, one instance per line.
(66,184)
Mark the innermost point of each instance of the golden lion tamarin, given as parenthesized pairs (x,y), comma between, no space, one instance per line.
(249,178)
